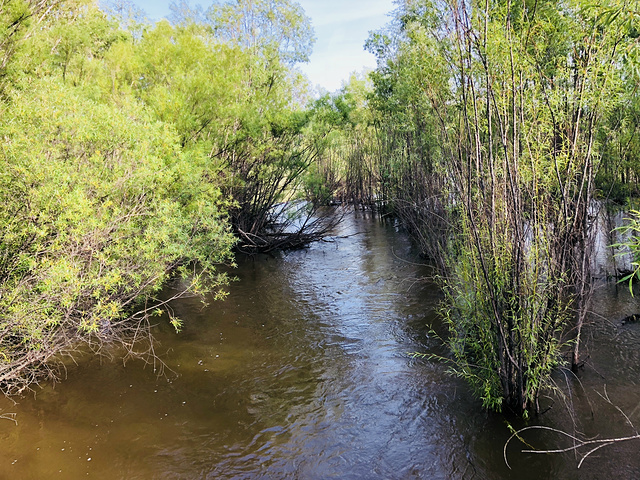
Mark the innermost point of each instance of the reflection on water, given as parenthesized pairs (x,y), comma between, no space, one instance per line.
(303,373)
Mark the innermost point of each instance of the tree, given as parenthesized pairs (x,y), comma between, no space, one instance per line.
(129,16)
(490,114)
(273,28)
(182,13)
(17,19)
(236,106)
(101,204)
(130,157)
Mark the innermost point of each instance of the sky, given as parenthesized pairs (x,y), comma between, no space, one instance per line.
(341,27)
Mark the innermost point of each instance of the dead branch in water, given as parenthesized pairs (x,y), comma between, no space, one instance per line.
(284,232)
(579,443)
(591,445)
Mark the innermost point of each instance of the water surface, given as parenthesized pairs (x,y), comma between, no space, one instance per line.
(303,372)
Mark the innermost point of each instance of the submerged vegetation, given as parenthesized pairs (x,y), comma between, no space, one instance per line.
(132,153)
(491,130)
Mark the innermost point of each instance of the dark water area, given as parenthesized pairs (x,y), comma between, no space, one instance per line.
(303,372)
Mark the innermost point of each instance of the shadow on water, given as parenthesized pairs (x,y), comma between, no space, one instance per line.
(303,373)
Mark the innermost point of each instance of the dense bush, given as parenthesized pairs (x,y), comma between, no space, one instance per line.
(100,205)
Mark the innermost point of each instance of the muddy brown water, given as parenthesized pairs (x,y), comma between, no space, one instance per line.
(303,373)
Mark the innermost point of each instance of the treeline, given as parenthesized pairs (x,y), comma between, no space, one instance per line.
(134,152)
(491,129)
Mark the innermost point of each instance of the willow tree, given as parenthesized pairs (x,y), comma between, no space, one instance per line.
(517,91)
(348,167)
(273,28)
(101,204)
(260,143)
(19,19)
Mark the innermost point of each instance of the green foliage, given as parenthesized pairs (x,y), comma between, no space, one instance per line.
(504,321)
(630,232)
(496,122)
(16,21)
(100,206)
(70,41)
(15,18)
(342,125)
(228,103)
(183,79)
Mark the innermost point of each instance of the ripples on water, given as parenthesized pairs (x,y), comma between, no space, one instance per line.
(303,373)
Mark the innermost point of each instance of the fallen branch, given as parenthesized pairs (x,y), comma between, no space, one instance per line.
(596,444)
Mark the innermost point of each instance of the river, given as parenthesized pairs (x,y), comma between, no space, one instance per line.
(303,372)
